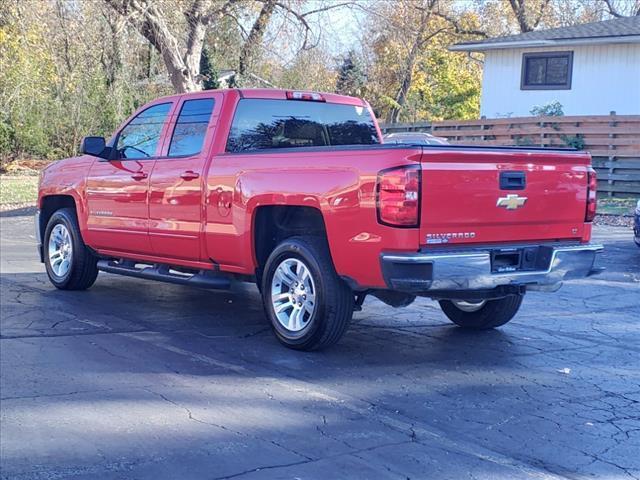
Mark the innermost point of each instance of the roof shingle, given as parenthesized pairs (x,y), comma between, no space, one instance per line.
(613,29)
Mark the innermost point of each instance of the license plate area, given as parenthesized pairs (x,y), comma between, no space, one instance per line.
(505,260)
(522,259)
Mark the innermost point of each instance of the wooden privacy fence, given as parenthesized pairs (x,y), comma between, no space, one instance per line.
(613,141)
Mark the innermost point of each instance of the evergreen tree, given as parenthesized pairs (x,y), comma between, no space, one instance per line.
(209,71)
(351,76)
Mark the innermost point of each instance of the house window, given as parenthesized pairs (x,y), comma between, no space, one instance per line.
(546,71)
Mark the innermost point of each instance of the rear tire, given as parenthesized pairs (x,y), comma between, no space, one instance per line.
(482,316)
(309,305)
(70,264)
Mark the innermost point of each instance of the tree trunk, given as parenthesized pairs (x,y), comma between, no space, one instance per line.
(407,77)
(255,37)
(401,96)
(112,57)
(195,41)
(528,20)
(519,10)
(151,23)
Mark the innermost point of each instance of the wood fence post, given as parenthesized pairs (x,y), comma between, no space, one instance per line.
(611,152)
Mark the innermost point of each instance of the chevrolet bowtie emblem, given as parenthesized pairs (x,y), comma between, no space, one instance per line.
(511,202)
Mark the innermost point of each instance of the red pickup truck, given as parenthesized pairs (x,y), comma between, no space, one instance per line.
(295,192)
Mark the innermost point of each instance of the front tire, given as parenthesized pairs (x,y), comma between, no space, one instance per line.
(482,315)
(309,305)
(70,264)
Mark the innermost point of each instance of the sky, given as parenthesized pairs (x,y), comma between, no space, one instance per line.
(343,27)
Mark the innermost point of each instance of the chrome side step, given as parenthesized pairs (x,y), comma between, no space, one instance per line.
(165,273)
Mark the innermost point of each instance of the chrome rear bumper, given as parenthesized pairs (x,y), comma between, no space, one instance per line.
(472,269)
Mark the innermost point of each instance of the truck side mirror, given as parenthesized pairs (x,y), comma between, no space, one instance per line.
(94,146)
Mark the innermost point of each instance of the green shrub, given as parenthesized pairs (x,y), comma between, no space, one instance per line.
(574,141)
(524,141)
(551,109)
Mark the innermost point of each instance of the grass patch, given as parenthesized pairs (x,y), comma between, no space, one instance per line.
(18,190)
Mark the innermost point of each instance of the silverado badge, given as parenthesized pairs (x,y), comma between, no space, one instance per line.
(511,202)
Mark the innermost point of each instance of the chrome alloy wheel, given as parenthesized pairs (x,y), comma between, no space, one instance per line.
(293,294)
(60,250)
(467,306)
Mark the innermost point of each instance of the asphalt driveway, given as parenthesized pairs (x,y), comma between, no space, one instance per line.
(142,380)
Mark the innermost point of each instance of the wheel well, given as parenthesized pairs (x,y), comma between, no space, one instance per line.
(51,204)
(275,223)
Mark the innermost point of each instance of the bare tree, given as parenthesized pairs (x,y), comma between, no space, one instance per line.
(182,62)
(182,59)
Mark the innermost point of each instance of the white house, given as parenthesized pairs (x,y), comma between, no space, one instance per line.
(591,69)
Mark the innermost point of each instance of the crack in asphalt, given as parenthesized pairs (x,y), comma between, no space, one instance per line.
(303,462)
(78,334)
(52,395)
(192,417)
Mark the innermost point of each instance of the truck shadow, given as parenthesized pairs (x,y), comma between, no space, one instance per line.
(18,212)
(228,321)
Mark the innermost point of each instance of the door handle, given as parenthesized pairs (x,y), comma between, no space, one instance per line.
(139,176)
(189,175)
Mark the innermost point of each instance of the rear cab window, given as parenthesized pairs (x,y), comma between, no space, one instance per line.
(260,124)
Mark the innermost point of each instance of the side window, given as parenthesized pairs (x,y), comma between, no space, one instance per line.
(546,71)
(261,124)
(191,127)
(139,139)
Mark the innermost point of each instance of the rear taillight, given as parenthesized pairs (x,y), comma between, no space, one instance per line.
(398,196)
(592,182)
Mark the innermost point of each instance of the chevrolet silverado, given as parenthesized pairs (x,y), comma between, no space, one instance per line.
(296,192)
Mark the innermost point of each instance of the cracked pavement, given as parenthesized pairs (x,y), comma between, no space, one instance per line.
(134,379)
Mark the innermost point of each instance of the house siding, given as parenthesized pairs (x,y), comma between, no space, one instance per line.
(605,78)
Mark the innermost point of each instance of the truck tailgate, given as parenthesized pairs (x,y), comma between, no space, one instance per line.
(502,195)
